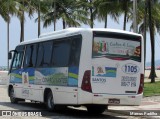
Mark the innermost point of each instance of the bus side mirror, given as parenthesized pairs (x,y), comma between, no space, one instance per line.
(9,55)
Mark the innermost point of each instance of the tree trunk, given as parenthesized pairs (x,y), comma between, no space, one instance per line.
(106,20)
(91,14)
(144,32)
(125,7)
(152,73)
(8,42)
(125,19)
(8,21)
(64,24)
(54,15)
(39,21)
(22,28)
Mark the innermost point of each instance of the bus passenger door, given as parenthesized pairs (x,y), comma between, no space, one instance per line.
(30,90)
(16,71)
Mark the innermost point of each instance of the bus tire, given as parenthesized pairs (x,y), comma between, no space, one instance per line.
(12,98)
(50,102)
(96,109)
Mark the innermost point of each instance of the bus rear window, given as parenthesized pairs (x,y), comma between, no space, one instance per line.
(116,45)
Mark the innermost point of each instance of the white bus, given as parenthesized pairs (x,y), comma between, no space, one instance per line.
(79,67)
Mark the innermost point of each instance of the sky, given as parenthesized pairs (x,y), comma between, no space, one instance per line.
(31,33)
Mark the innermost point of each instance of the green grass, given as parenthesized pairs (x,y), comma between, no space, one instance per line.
(151,89)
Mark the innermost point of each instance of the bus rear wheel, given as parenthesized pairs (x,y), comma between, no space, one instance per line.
(96,109)
(50,102)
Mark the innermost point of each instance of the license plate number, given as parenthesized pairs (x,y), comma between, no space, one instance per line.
(114,101)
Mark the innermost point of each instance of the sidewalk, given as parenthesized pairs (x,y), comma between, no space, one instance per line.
(149,108)
(148,103)
(149,80)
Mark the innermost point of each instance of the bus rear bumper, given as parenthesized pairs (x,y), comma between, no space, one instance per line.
(117,99)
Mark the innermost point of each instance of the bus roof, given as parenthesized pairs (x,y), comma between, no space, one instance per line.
(71,32)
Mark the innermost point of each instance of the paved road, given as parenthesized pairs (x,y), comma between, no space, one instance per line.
(65,114)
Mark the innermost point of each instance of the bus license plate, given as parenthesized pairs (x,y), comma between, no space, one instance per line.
(114,101)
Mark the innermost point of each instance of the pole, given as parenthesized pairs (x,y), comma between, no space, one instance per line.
(54,15)
(135,16)
(23,22)
(144,32)
(39,20)
(8,36)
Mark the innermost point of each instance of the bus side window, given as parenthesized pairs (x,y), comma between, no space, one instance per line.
(44,54)
(75,52)
(34,54)
(27,56)
(61,53)
(40,55)
(17,60)
(30,56)
(18,57)
(47,53)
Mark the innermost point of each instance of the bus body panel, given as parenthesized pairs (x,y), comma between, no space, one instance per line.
(65,95)
(103,99)
(119,84)
(30,83)
(85,59)
(25,89)
(117,81)
(18,90)
(121,99)
(85,64)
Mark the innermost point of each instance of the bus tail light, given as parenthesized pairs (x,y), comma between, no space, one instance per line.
(140,90)
(86,82)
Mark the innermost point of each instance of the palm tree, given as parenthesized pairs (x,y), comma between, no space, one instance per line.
(108,7)
(22,22)
(126,7)
(24,6)
(68,11)
(151,28)
(91,7)
(7,8)
(92,10)
(145,30)
(150,13)
(40,6)
(3,9)
(75,15)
